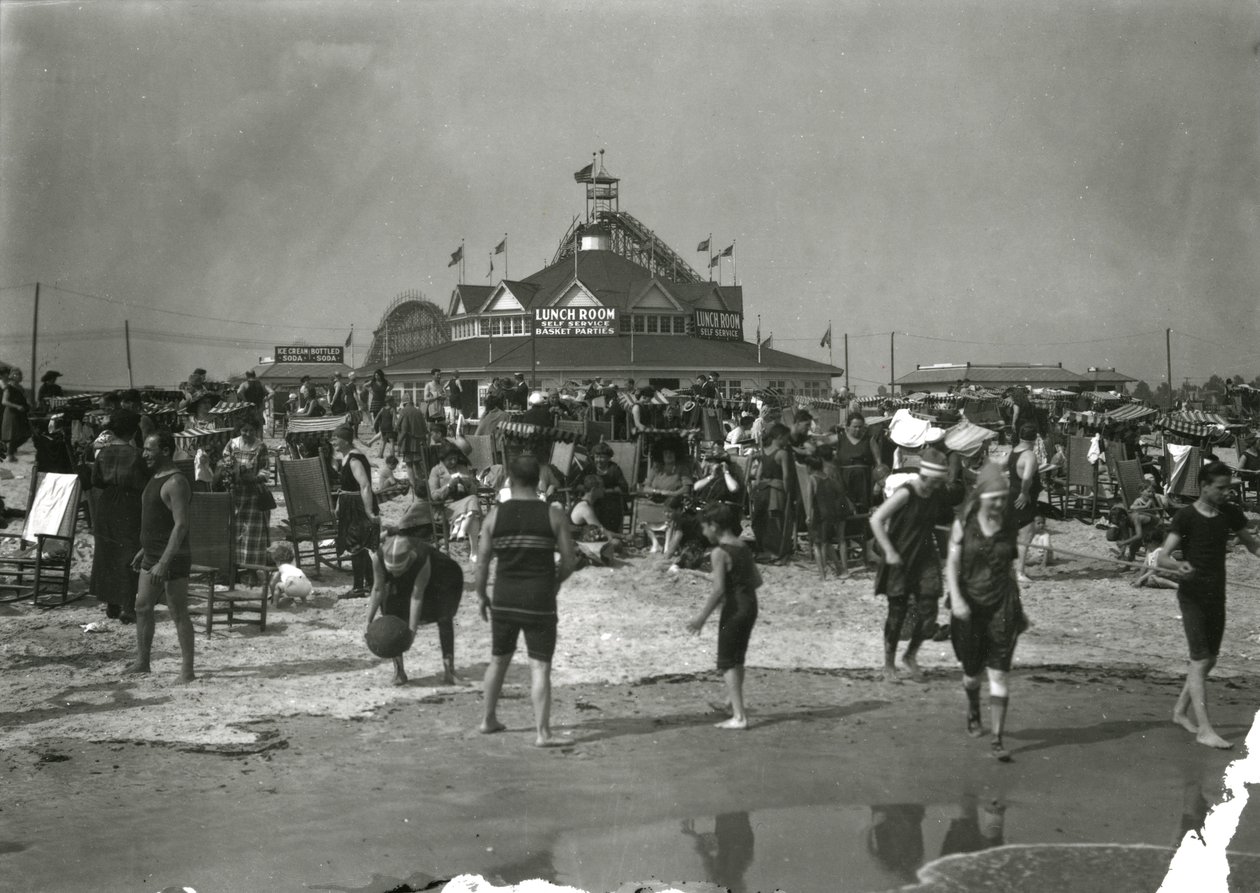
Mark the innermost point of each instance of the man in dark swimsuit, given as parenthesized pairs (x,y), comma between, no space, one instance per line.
(1202,531)
(164,559)
(524,533)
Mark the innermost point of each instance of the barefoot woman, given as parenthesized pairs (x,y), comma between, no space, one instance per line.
(984,599)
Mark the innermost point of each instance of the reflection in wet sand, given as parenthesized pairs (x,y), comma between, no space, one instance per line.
(727,852)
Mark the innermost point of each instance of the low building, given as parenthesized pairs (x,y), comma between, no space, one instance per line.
(947,377)
(616,303)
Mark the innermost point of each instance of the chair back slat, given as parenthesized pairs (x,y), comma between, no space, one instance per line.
(1080,471)
(307,490)
(562,458)
(597,431)
(626,457)
(481,456)
(1129,479)
(211,532)
(54,507)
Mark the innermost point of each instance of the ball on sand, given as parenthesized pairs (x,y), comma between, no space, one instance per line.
(388,636)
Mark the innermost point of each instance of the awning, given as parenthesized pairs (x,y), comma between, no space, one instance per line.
(1178,423)
(1131,412)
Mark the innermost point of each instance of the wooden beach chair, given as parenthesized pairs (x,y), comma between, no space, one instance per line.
(1082,479)
(38,567)
(312,518)
(212,588)
(626,457)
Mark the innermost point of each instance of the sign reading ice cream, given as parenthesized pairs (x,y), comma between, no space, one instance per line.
(302,353)
(575,320)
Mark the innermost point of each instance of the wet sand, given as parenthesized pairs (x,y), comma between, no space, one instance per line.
(413,791)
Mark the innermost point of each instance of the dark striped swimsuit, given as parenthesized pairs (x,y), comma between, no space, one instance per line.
(525,578)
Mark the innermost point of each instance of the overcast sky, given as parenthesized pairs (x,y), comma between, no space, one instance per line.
(1026,181)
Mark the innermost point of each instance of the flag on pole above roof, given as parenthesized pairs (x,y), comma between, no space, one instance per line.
(456,256)
(703,246)
(501,247)
(826,338)
(350,337)
(727,251)
(584,173)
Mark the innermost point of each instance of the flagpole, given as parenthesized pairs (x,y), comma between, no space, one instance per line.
(461,261)
(734,266)
(505,275)
(758,334)
(846,362)
(830,361)
(710,244)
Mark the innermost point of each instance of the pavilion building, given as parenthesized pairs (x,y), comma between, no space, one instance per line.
(616,303)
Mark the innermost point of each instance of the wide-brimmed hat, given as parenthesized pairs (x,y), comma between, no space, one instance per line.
(50,375)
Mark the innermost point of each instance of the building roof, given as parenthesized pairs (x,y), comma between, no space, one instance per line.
(605,354)
(1096,375)
(286,371)
(474,297)
(611,278)
(970,372)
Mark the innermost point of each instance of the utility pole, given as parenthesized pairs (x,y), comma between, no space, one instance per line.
(1168,358)
(34,342)
(127,337)
(846,363)
(892,361)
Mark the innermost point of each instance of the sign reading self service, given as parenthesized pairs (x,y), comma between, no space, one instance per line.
(719,325)
(575,320)
(303,353)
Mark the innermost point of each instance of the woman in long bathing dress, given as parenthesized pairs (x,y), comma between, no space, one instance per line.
(984,600)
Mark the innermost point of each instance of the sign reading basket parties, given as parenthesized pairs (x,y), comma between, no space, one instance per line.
(303,353)
(719,325)
(575,320)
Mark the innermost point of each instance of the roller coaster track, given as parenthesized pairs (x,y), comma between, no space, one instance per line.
(635,242)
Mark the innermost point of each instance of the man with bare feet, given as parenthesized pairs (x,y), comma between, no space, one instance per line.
(523,533)
(910,566)
(164,559)
(418,584)
(735,583)
(1202,531)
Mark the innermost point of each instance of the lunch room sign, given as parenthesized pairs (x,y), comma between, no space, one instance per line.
(575,321)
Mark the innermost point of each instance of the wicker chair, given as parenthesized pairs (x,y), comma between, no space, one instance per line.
(212,540)
(40,566)
(307,495)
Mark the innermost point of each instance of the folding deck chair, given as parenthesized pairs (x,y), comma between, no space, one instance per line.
(1082,477)
(307,495)
(626,457)
(35,564)
(212,580)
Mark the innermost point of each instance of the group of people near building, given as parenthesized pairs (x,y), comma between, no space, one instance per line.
(776,471)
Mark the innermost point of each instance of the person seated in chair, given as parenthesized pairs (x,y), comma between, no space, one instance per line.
(719,482)
(668,480)
(452,483)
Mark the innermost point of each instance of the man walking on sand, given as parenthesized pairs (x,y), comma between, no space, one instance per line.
(523,533)
(1202,532)
(164,559)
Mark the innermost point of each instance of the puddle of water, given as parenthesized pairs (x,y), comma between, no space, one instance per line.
(813,849)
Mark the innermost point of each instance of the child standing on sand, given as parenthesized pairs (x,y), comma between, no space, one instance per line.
(735,583)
